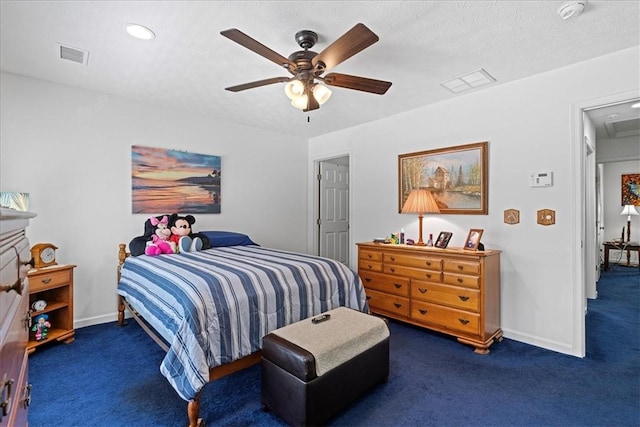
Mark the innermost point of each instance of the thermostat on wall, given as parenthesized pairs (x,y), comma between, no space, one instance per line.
(541,179)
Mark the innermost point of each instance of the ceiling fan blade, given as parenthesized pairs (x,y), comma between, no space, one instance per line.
(353,41)
(257,83)
(254,45)
(364,84)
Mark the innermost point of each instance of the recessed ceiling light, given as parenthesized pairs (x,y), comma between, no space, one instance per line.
(140,32)
(572,9)
(636,105)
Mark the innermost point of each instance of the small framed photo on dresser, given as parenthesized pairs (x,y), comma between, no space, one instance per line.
(473,239)
(443,239)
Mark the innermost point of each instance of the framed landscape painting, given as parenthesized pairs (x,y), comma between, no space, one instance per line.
(456,176)
(168,181)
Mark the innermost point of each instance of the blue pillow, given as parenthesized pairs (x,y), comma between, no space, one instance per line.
(227,238)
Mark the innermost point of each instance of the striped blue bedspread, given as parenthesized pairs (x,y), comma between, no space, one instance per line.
(214,306)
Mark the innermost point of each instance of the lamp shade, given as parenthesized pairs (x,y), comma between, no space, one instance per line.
(294,89)
(420,201)
(629,210)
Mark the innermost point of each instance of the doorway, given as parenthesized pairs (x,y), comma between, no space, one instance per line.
(589,204)
(332,224)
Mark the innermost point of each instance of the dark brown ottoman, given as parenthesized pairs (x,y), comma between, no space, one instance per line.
(312,371)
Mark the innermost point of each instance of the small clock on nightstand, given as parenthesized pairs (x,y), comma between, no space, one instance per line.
(43,255)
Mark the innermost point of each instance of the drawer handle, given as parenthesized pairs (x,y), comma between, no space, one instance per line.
(460,280)
(428,263)
(26,401)
(17,286)
(463,321)
(5,404)
(369,255)
(368,297)
(392,258)
(423,311)
(397,304)
(460,267)
(422,290)
(397,285)
(369,266)
(393,270)
(428,275)
(367,279)
(463,298)
(46,281)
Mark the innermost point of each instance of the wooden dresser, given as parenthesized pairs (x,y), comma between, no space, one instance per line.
(14,317)
(454,291)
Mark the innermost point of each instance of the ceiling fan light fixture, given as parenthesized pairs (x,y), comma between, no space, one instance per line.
(321,93)
(300,102)
(294,89)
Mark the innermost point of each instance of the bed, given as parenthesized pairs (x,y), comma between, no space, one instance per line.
(210,309)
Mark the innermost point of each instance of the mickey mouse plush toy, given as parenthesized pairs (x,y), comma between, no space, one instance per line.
(182,235)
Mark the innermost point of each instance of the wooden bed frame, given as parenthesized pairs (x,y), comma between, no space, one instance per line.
(193,406)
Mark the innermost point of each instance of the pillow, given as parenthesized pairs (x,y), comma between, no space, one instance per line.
(227,238)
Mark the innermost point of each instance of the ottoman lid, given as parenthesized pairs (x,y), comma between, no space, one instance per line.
(343,336)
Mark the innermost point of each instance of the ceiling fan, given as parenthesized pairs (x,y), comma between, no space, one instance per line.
(307,66)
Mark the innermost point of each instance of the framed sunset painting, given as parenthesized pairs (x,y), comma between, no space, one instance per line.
(168,181)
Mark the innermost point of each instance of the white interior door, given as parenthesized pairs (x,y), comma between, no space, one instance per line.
(333,221)
(599,216)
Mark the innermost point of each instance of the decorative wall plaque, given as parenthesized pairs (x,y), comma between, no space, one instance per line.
(546,217)
(511,216)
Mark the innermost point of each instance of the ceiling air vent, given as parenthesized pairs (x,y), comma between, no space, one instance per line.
(73,54)
(468,81)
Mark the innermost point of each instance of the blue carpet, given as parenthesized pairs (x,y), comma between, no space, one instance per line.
(109,376)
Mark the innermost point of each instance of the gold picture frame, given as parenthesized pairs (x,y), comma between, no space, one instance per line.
(456,176)
(473,239)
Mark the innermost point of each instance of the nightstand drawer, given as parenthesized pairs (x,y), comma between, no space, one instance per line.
(448,318)
(383,283)
(413,261)
(466,299)
(39,280)
(379,301)
(461,280)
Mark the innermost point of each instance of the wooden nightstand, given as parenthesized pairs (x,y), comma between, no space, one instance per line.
(53,285)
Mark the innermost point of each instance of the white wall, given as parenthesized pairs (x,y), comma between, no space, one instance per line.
(71,150)
(529,126)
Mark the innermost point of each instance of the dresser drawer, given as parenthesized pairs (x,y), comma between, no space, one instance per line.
(428,263)
(383,283)
(463,267)
(452,296)
(366,265)
(364,254)
(40,280)
(414,273)
(445,317)
(461,280)
(379,301)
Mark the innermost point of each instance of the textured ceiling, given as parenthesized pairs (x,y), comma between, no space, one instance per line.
(188,65)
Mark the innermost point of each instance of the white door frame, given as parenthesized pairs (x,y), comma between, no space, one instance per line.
(580,261)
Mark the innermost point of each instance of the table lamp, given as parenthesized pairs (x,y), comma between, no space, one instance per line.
(420,201)
(628,211)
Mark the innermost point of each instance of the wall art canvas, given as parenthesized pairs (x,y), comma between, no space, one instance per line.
(456,176)
(167,181)
(631,189)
